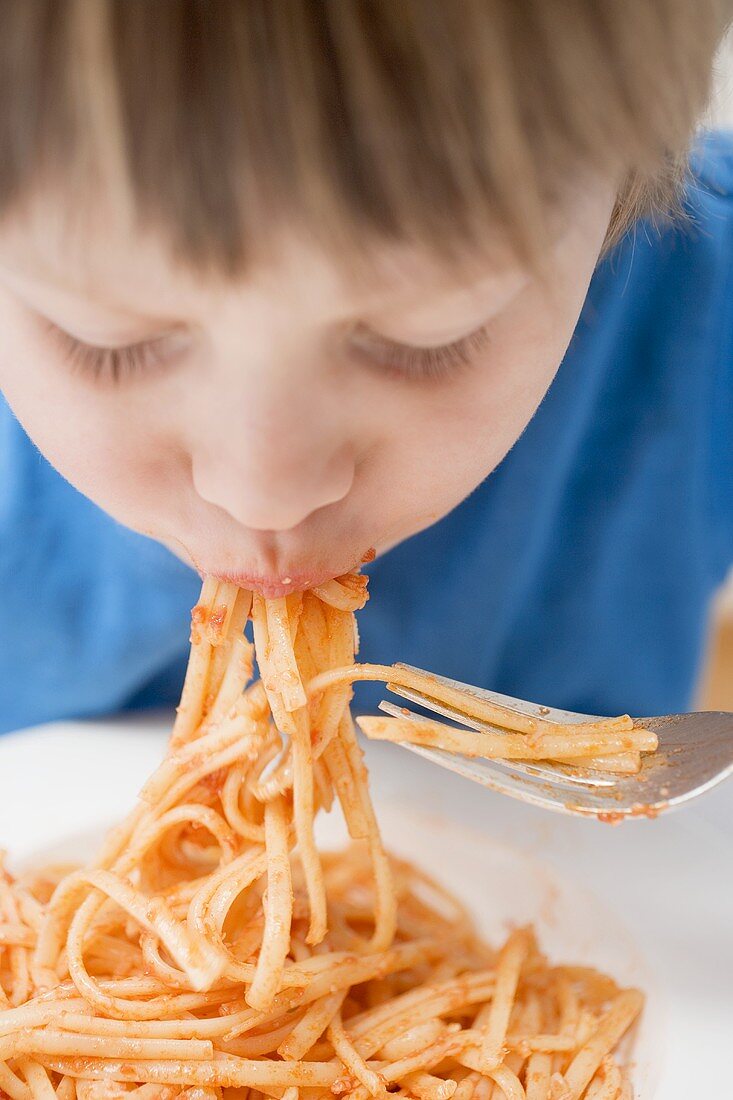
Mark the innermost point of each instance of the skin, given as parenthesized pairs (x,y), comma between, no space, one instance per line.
(273,434)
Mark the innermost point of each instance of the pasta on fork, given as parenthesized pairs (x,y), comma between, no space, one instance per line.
(212,952)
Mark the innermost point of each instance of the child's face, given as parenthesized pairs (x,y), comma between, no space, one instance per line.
(272,430)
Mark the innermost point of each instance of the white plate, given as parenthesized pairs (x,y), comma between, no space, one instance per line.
(651,902)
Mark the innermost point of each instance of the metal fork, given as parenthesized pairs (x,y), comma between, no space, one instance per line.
(695,754)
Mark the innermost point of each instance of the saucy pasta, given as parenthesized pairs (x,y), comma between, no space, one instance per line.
(212,952)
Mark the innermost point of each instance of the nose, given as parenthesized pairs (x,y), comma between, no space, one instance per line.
(273,480)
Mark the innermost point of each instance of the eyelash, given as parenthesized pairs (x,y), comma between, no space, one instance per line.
(106,364)
(421,364)
(409,362)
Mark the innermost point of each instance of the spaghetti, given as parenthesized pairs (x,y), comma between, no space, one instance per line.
(212,952)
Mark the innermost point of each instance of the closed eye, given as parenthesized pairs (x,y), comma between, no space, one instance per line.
(111,364)
(415,363)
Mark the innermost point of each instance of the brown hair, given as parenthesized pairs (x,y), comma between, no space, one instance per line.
(405,120)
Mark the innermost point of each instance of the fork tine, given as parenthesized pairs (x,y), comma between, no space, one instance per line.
(697,754)
(520,707)
(426,701)
(555,774)
(549,773)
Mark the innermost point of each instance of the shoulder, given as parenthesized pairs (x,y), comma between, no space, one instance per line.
(660,312)
(710,198)
(705,231)
(711,169)
(700,234)
(36,503)
(677,276)
(98,612)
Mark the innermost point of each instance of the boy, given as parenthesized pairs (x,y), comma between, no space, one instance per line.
(285,280)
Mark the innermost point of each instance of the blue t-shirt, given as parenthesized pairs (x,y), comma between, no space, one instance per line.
(579,573)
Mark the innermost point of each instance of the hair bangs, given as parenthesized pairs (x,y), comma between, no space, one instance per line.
(422,122)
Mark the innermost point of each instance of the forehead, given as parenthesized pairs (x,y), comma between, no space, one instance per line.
(107,256)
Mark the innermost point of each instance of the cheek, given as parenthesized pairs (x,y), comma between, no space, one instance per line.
(450,439)
(93,439)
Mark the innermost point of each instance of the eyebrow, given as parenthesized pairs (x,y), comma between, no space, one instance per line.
(493,292)
(51,279)
(402,283)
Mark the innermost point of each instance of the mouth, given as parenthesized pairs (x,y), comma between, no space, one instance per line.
(272,568)
(292,580)
(272,587)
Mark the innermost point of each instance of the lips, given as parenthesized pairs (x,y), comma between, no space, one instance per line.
(290,580)
(272,580)
(287,578)
(273,587)
(272,563)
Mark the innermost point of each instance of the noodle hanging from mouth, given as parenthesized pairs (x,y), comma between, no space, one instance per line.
(212,952)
